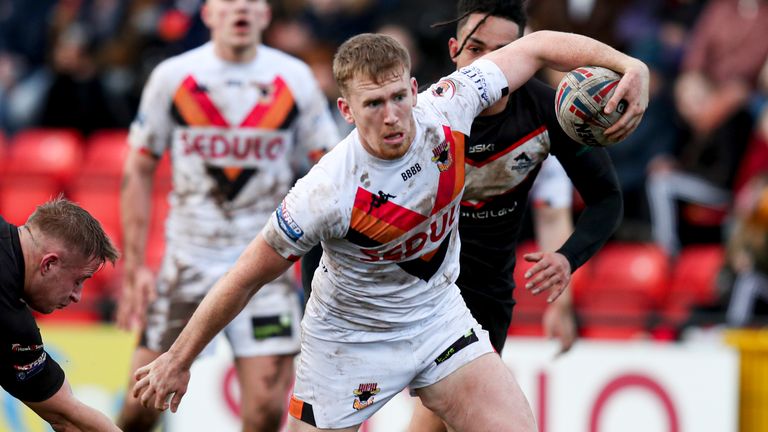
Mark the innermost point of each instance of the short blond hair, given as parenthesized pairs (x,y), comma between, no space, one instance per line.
(69,223)
(373,56)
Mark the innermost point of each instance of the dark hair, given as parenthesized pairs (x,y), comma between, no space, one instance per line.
(512,10)
(69,223)
(369,56)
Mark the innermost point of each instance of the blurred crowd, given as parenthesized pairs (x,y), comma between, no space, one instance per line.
(702,146)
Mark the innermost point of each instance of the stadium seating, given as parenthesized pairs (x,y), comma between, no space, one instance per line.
(529,310)
(20,196)
(628,283)
(105,154)
(694,281)
(55,154)
(526,317)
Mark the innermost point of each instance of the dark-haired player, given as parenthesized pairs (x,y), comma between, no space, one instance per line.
(505,151)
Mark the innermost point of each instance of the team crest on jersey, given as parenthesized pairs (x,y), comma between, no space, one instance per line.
(445,88)
(266,92)
(364,395)
(441,156)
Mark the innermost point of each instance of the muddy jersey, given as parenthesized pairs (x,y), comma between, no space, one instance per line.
(388,227)
(26,370)
(504,153)
(234,132)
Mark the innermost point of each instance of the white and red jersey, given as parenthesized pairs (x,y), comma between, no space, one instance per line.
(234,132)
(388,227)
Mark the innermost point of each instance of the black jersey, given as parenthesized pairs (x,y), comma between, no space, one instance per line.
(26,370)
(504,153)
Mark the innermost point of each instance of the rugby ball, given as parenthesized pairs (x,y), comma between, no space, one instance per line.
(579,101)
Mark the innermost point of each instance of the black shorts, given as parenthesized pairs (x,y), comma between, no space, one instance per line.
(493,310)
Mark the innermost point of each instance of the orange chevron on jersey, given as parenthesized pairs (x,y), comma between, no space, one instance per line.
(379,219)
(232,173)
(272,111)
(452,176)
(195,107)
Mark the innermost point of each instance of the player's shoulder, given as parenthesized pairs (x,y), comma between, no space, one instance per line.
(288,65)
(180,65)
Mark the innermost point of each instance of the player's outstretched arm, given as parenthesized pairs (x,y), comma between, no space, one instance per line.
(135,210)
(65,413)
(566,51)
(169,374)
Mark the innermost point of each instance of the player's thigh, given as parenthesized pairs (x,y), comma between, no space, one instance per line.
(264,378)
(424,420)
(294,425)
(461,398)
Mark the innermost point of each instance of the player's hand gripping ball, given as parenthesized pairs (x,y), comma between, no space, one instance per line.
(580,99)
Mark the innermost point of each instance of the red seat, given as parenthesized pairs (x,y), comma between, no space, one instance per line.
(3,152)
(529,309)
(526,317)
(694,281)
(53,153)
(20,197)
(105,153)
(628,282)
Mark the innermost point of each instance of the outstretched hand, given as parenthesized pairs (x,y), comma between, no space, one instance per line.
(634,89)
(552,272)
(162,383)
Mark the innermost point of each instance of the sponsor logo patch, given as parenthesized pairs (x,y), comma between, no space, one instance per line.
(469,338)
(478,78)
(271,326)
(26,348)
(364,395)
(24,372)
(287,224)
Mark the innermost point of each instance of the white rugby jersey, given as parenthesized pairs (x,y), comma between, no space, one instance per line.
(552,187)
(233,131)
(388,227)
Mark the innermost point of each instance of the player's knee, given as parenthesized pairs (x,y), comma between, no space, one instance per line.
(263,419)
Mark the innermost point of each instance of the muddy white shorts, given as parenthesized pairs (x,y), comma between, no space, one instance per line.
(269,324)
(341,384)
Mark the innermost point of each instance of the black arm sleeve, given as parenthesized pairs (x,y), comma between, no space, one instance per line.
(593,175)
(27,371)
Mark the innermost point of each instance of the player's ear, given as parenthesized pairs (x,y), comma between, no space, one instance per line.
(266,17)
(414,89)
(205,14)
(48,262)
(453,48)
(345,110)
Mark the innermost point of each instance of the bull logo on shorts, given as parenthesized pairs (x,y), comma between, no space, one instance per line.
(364,395)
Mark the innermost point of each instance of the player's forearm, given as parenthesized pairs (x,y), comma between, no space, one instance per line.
(135,209)
(557,50)
(566,51)
(65,413)
(553,226)
(258,265)
(87,419)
